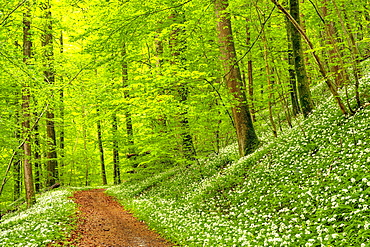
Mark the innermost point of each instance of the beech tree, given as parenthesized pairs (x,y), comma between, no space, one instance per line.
(49,78)
(26,98)
(300,68)
(247,138)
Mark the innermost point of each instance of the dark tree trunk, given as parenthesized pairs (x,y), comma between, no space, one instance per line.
(17,164)
(292,76)
(101,150)
(62,133)
(178,46)
(49,77)
(129,127)
(17,172)
(247,138)
(322,70)
(116,167)
(269,84)
(300,68)
(250,73)
(37,157)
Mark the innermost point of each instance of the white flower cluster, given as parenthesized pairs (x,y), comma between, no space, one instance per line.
(40,224)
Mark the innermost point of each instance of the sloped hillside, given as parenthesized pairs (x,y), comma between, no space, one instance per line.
(309,187)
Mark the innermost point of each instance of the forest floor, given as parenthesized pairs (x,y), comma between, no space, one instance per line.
(104,222)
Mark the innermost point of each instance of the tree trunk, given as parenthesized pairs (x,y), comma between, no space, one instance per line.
(116,167)
(16,163)
(129,127)
(336,65)
(177,46)
(300,68)
(49,77)
(355,53)
(250,72)
(26,97)
(322,70)
(62,133)
(269,84)
(17,173)
(37,157)
(247,138)
(292,76)
(101,150)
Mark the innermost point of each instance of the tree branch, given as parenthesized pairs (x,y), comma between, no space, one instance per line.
(11,12)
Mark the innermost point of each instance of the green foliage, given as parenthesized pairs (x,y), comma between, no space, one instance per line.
(310,187)
(49,219)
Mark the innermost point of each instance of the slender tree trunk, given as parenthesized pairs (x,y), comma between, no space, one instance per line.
(158,43)
(26,96)
(177,45)
(17,169)
(322,70)
(87,162)
(269,84)
(300,69)
(129,126)
(101,150)
(16,162)
(247,138)
(49,77)
(37,157)
(62,133)
(116,166)
(250,72)
(336,65)
(292,76)
(355,53)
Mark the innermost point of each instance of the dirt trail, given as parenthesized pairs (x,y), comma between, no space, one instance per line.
(103,222)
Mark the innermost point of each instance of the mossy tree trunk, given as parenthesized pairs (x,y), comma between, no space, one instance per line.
(300,69)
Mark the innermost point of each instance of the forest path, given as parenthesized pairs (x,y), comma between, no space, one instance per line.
(104,222)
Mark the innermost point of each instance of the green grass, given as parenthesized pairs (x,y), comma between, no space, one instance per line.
(49,219)
(309,187)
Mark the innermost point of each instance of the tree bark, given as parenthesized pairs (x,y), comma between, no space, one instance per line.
(269,84)
(37,157)
(129,126)
(61,108)
(17,172)
(49,78)
(300,69)
(322,70)
(355,53)
(292,76)
(101,150)
(116,167)
(177,46)
(247,138)
(250,72)
(26,97)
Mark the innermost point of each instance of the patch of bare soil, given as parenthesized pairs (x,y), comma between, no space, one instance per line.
(104,222)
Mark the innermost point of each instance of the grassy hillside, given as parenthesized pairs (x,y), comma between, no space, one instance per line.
(309,187)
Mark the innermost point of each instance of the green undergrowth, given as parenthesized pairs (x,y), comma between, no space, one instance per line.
(49,219)
(309,187)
